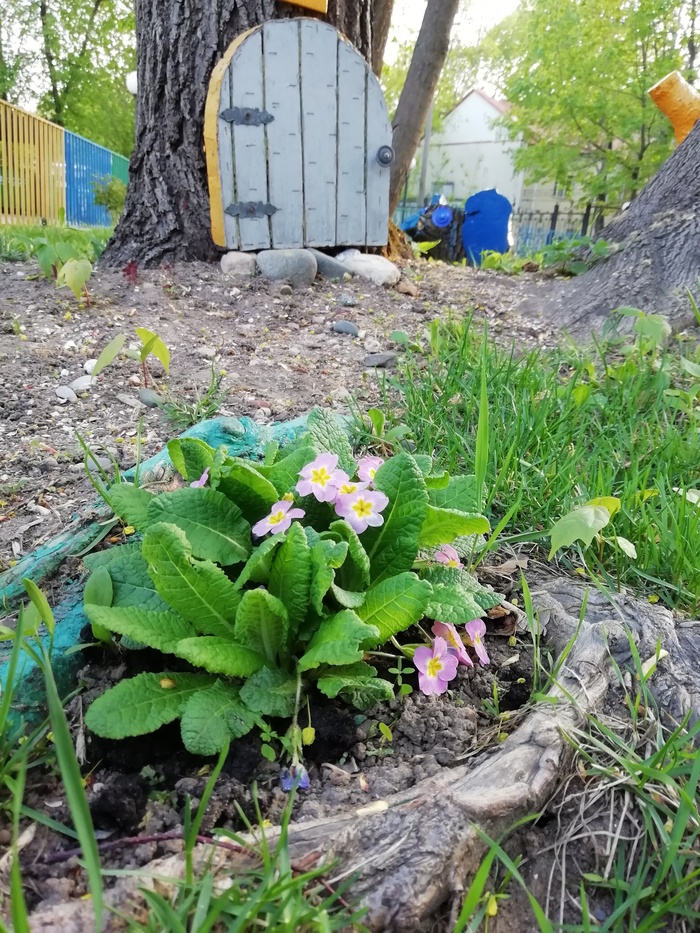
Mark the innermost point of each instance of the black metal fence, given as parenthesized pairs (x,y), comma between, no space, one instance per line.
(534,229)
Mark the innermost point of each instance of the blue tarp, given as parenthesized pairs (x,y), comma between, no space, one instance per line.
(486,224)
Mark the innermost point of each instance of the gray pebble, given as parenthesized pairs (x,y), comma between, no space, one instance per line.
(286,291)
(347,300)
(48,464)
(128,400)
(295,266)
(346,327)
(150,398)
(66,394)
(372,345)
(328,267)
(381,360)
(81,384)
(89,365)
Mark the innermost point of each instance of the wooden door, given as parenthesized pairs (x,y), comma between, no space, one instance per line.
(298,141)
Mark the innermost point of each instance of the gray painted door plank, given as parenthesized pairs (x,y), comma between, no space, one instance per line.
(226,164)
(352,162)
(283,101)
(249,141)
(319,50)
(378,134)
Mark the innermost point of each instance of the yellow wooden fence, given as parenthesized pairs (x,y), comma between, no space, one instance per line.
(32,168)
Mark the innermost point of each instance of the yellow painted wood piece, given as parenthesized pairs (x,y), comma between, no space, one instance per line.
(679,101)
(321,6)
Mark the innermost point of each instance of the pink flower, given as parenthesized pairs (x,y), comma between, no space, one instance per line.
(436,667)
(202,481)
(367,467)
(362,508)
(347,485)
(448,556)
(279,519)
(321,478)
(455,645)
(476,630)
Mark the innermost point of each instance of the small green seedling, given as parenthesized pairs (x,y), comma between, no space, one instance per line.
(151,345)
(586,523)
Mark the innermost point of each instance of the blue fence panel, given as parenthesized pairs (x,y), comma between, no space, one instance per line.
(86,163)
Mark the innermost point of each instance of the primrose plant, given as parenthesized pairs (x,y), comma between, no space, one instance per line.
(280,580)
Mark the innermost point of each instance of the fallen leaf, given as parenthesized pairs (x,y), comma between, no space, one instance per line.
(406,287)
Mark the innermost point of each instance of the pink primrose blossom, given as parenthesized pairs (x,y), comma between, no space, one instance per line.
(448,556)
(455,645)
(320,478)
(476,630)
(202,481)
(279,519)
(347,485)
(436,667)
(362,508)
(367,467)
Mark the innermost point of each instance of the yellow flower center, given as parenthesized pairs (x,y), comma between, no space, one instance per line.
(434,667)
(453,641)
(362,508)
(347,487)
(372,471)
(288,497)
(452,562)
(321,476)
(276,517)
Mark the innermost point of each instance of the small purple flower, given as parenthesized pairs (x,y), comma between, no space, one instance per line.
(455,645)
(436,667)
(448,556)
(320,478)
(347,485)
(476,630)
(362,508)
(202,481)
(367,467)
(297,774)
(279,519)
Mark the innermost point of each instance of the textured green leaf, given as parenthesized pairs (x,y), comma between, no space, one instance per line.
(350,599)
(393,605)
(219,655)
(358,682)
(108,354)
(580,525)
(393,547)
(131,581)
(424,462)
(131,504)
(262,624)
(452,604)
(143,703)
(249,490)
(460,493)
(105,557)
(155,346)
(270,692)
(464,581)
(284,474)
(290,578)
(190,457)
(214,526)
(74,273)
(326,557)
(259,564)
(357,576)
(98,589)
(152,628)
(199,590)
(337,641)
(213,717)
(326,434)
(441,526)
(437,481)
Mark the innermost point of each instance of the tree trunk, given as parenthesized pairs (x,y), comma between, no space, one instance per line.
(381,22)
(418,91)
(166,214)
(658,259)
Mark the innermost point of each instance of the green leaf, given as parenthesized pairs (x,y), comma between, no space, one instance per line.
(105,557)
(290,578)
(40,603)
(143,703)
(358,683)
(249,490)
(199,590)
(214,526)
(131,581)
(131,504)
(153,628)
(437,481)
(46,258)
(155,346)
(262,624)
(212,717)
(460,493)
(611,503)
(326,557)
(349,599)
(98,589)
(358,576)
(441,526)
(376,416)
(457,596)
(270,692)
(219,655)
(393,605)
(626,547)
(259,564)
(580,525)
(326,434)
(74,273)
(190,457)
(284,475)
(332,679)
(108,354)
(693,369)
(424,462)
(393,547)
(338,640)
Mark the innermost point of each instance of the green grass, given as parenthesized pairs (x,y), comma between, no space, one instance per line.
(564,427)
(22,242)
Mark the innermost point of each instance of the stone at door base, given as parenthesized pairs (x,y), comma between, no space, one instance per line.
(328,267)
(296,266)
(237,263)
(381,360)
(375,268)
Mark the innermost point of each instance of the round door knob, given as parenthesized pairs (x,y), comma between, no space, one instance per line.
(385,155)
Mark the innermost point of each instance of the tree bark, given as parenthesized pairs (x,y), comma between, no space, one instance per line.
(418,91)
(166,214)
(381,22)
(658,259)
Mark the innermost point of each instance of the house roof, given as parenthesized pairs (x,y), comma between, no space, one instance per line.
(502,106)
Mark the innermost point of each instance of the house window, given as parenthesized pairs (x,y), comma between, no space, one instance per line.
(559,190)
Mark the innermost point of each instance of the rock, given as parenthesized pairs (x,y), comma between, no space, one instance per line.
(207,352)
(347,300)
(128,400)
(375,268)
(134,380)
(104,462)
(286,291)
(81,384)
(295,266)
(89,365)
(372,345)
(48,464)
(327,266)
(345,327)
(407,287)
(237,263)
(66,394)
(381,360)
(150,398)
(347,254)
